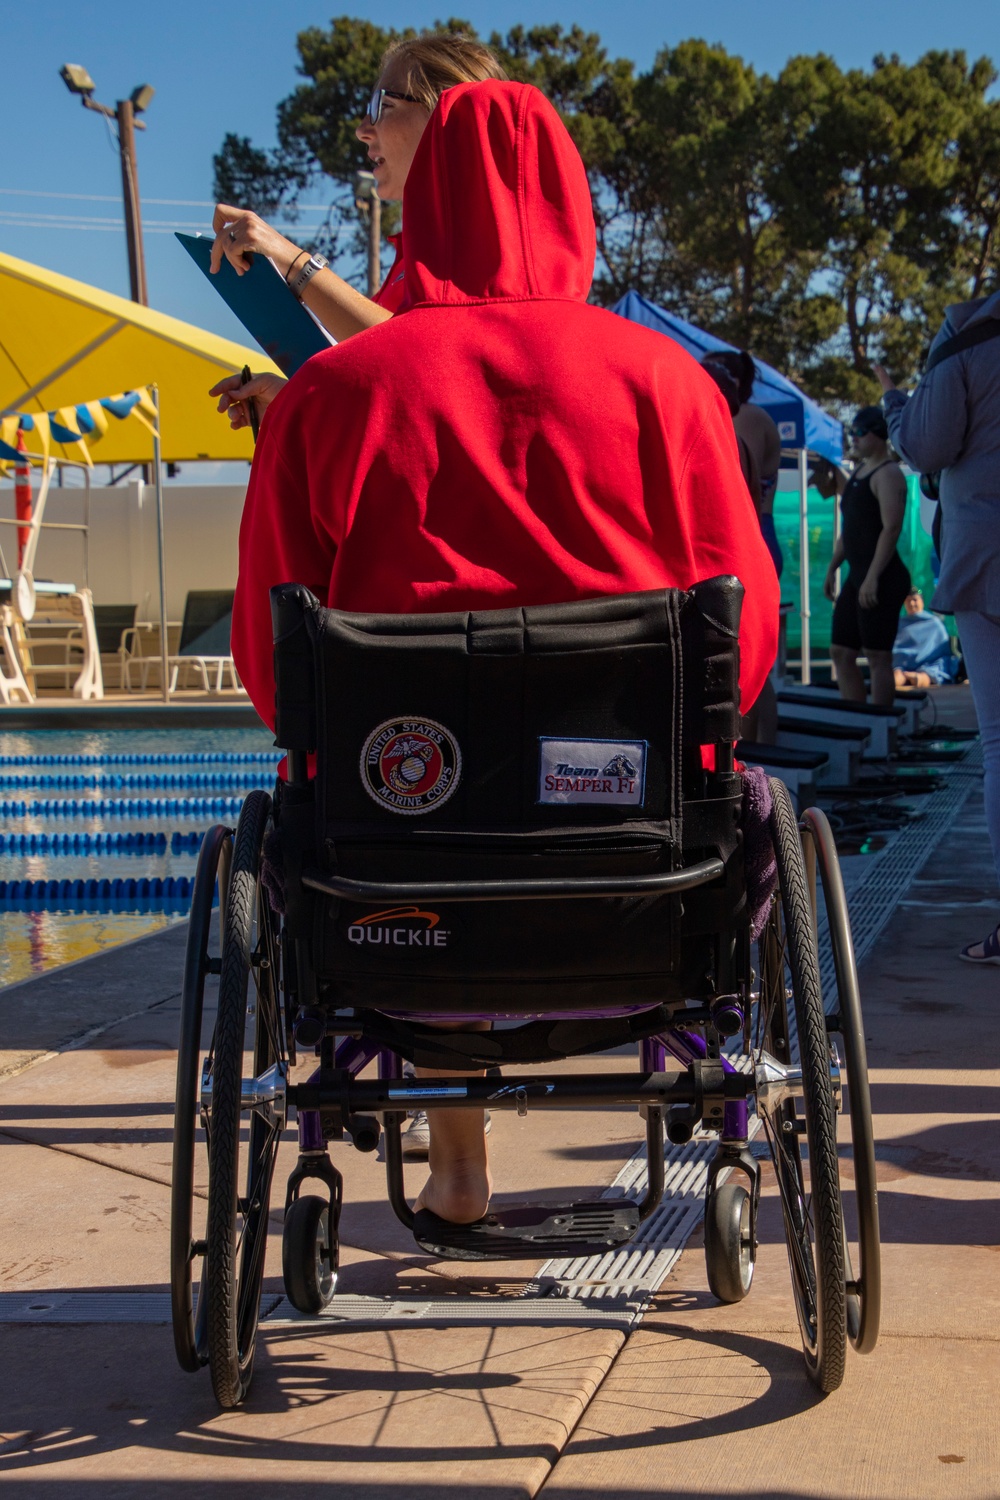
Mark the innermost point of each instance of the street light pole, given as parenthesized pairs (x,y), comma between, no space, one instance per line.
(370,204)
(125,114)
(79,81)
(374,243)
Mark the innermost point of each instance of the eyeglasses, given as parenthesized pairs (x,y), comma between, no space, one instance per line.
(374,111)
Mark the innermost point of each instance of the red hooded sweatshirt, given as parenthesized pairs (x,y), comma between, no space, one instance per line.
(498,441)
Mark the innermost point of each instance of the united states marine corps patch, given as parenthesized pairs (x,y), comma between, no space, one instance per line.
(410,765)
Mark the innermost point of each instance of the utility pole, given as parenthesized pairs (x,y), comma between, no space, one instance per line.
(79,81)
(370,204)
(125,113)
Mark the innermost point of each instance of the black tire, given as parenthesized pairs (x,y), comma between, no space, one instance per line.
(730,1241)
(808,1187)
(308,1262)
(238,1209)
(864,1291)
(190,1333)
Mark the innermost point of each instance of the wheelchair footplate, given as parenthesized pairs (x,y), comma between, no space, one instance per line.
(530,1231)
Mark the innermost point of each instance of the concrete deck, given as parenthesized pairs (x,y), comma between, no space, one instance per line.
(699,1400)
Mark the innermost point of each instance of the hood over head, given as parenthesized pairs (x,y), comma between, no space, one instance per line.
(497,204)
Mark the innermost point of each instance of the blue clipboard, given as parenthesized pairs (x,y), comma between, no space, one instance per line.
(273,315)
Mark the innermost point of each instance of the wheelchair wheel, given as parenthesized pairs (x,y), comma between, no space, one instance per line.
(730,1244)
(241,1164)
(808,1183)
(190,1334)
(308,1261)
(864,1292)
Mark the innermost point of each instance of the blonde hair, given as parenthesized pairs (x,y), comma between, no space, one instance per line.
(437,61)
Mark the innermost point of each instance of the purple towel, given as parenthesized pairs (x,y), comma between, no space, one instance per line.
(758,850)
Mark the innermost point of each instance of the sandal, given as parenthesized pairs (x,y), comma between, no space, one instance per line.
(990,946)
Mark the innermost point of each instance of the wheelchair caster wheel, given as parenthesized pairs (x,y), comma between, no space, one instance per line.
(308,1261)
(730,1242)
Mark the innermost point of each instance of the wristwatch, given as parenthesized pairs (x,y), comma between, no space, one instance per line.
(308,271)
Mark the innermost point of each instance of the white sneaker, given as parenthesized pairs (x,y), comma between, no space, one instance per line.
(417,1136)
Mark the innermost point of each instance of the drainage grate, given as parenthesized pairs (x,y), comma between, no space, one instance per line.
(84,1307)
(621,1311)
(873,899)
(154,1308)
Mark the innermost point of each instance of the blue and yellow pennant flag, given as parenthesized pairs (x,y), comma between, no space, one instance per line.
(74,426)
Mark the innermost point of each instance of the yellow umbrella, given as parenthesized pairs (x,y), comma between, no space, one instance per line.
(63,342)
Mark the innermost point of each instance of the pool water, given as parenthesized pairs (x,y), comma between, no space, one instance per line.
(68,820)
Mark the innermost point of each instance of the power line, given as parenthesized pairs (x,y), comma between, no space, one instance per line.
(307,208)
(10,219)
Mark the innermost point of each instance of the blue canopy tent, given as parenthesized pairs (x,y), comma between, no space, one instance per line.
(804,427)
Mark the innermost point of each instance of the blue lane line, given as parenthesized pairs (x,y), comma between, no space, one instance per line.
(100,843)
(123,807)
(190,780)
(84,843)
(172,893)
(202,758)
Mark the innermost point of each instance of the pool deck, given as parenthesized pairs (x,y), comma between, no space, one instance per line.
(496,1396)
(117,710)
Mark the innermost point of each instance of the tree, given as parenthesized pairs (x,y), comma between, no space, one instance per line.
(871,176)
(823,218)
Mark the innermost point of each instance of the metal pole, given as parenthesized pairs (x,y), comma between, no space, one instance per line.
(374,242)
(804,563)
(158,481)
(130,195)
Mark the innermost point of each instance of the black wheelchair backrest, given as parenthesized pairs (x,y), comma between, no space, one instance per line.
(559,743)
(518,717)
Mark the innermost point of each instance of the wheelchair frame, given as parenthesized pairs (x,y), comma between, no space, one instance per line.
(265,976)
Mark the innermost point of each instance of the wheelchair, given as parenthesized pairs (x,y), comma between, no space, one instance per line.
(506,816)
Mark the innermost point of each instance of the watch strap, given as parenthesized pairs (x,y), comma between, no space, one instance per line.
(305,274)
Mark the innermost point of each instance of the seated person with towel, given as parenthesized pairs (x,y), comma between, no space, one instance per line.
(921,656)
(498,442)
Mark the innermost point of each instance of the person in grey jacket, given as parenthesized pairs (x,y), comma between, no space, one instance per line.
(951,423)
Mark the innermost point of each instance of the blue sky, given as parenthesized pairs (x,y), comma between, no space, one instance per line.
(219,68)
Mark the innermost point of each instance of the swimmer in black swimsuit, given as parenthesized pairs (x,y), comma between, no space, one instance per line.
(866,612)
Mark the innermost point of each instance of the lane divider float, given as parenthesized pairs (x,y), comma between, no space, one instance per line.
(181,780)
(193,758)
(123,807)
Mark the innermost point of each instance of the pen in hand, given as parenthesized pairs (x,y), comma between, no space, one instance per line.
(250,403)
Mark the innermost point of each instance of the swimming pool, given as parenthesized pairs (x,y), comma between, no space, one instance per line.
(99,832)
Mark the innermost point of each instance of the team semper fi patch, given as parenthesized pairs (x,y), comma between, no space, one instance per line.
(608,772)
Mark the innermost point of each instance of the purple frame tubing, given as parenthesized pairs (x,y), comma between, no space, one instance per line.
(688,1047)
(352,1054)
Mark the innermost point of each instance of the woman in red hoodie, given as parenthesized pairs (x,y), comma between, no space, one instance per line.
(498,442)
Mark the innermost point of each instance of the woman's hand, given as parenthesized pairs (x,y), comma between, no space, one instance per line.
(883,377)
(239,233)
(830,583)
(868,593)
(233,396)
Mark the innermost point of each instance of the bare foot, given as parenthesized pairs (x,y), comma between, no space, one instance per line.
(459,1186)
